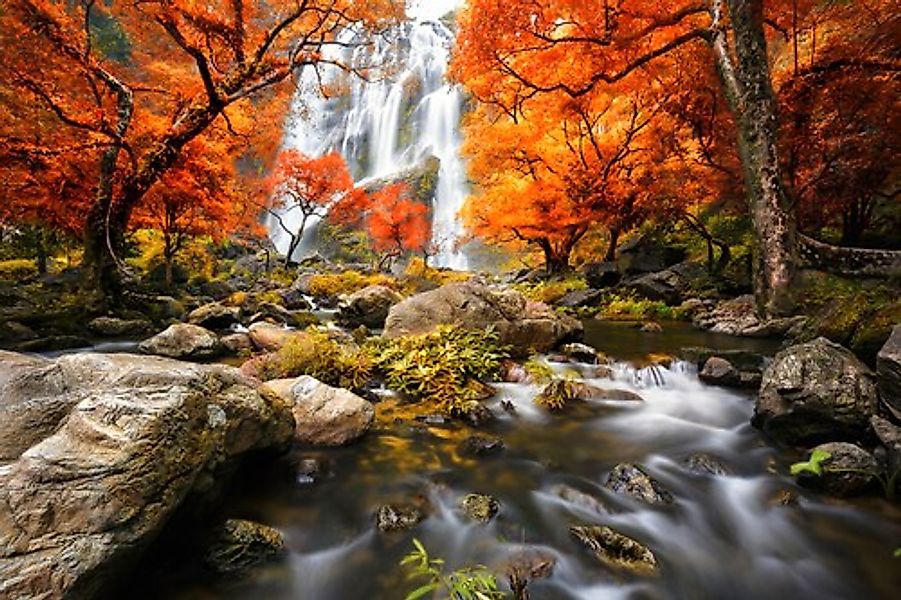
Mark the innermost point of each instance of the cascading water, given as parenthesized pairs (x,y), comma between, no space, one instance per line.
(390,127)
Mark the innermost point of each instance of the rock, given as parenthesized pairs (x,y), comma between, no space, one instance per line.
(115,327)
(888,371)
(394,517)
(705,464)
(478,415)
(269,312)
(368,307)
(629,479)
(601,275)
(514,372)
(183,341)
(581,298)
(480,507)
(324,415)
(719,371)
(652,327)
(783,498)
(524,325)
(582,353)
(644,254)
(237,343)
(603,372)
(294,299)
(613,549)
(215,316)
(530,564)
(269,337)
(618,395)
(664,286)
(53,343)
(848,470)
(889,435)
(738,316)
(742,360)
(586,502)
(13,331)
(238,545)
(480,445)
(815,392)
(78,508)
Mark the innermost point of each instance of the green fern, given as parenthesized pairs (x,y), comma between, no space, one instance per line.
(472,583)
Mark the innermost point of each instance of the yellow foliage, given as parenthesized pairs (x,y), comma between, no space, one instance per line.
(348,282)
(16,269)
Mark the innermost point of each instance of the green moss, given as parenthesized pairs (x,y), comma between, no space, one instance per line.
(446,367)
(553,290)
(631,307)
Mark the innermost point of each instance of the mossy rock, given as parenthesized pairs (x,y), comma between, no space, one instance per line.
(480,507)
(238,545)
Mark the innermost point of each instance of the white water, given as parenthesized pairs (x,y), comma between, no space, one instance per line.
(390,126)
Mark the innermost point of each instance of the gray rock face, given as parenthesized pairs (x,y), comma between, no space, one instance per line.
(738,316)
(238,545)
(888,371)
(183,341)
(889,435)
(524,325)
(815,392)
(215,316)
(629,479)
(324,415)
(613,549)
(115,327)
(848,470)
(368,307)
(670,285)
(601,275)
(77,508)
(581,298)
(643,254)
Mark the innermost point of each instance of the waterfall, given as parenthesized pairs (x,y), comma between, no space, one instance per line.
(392,126)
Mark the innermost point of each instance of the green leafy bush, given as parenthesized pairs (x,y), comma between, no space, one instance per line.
(316,354)
(346,282)
(445,367)
(17,269)
(558,394)
(631,307)
(472,583)
(538,370)
(551,291)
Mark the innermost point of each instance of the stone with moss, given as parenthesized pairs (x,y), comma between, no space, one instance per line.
(614,549)
(480,507)
(238,545)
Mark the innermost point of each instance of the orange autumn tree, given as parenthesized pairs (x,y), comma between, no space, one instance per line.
(303,188)
(559,168)
(126,87)
(397,223)
(512,52)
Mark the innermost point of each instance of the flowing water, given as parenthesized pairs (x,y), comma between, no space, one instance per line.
(388,127)
(724,537)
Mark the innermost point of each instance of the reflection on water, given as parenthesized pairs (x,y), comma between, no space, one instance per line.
(723,537)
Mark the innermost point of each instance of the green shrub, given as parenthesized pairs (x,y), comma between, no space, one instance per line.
(316,354)
(446,367)
(632,307)
(17,269)
(558,394)
(347,282)
(539,370)
(471,583)
(551,291)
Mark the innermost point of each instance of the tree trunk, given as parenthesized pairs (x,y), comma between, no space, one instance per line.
(748,88)
(555,260)
(610,254)
(41,239)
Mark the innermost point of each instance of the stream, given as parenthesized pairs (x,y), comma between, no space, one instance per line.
(724,537)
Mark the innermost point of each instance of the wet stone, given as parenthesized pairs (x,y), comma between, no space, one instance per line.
(705,464)
(397,517)
(629,479)
(480,507)
(580,499)
(480,445)
(238,545)
(613,549)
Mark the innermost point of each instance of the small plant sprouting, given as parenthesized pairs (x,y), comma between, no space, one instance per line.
(473,583)
(813,465)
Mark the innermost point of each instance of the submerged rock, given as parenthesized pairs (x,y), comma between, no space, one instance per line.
(629,479)
(652,327)
(183,341)
(324,415)
(613,549)
(705,464)
(480,507)
(238,545)
(815,392)
(368,307)
(480,445)
(848,470)
(524,325)
(144,433)
(397,517)
(582,353)
(580,499)
(524,566)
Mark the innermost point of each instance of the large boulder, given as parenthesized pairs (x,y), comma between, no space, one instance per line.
(143,434)
(368,307)
(738,316)
(215,316)
(324,415)
(816,392)
(644,254)
(524,325)
(183,341)
(269,337)
(888,371)
(601,275)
